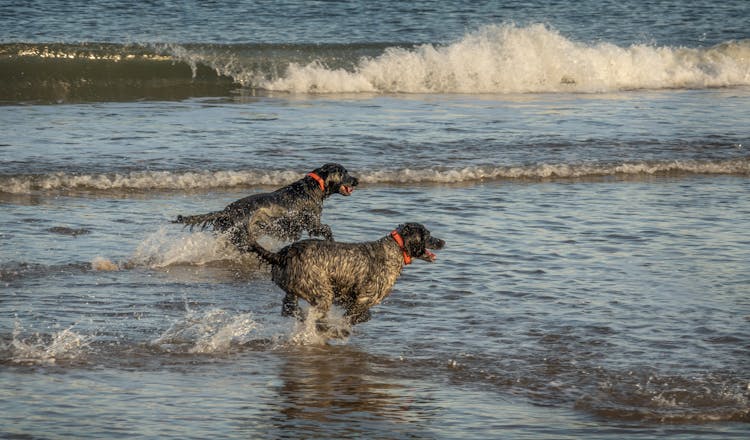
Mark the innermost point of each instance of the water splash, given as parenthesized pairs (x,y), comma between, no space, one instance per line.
(100,263)
(211,331)
(308,331)
(165,248)
(218,331)
(46,350)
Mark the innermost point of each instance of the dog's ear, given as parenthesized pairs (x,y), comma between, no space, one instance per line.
(329,169)
(336,179)
(413,235)
(331,173)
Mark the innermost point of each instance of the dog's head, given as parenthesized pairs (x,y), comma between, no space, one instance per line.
(418,241)
(336,179)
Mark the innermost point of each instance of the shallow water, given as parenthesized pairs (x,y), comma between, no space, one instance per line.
(598,303)
(595,279)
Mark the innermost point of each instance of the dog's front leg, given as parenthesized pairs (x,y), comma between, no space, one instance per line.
(321,230)
(356,313)
(238,235)
(321,299)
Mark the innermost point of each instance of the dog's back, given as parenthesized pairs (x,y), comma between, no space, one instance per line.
(284,213)
(316,270)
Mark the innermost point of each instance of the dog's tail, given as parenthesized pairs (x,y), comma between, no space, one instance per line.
(269,257)
(214,219)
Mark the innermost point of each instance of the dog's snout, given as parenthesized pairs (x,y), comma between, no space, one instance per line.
(436,243)
(354,181)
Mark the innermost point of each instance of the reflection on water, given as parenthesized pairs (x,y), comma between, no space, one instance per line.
(341,388)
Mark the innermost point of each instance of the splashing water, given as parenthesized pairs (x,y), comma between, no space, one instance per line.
(47,350)
(100,263)
(307,332)
(211,331)
(162,248)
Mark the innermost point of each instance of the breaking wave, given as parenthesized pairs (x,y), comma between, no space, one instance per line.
(534,59)
(201,180)
(144,180)
(495,59)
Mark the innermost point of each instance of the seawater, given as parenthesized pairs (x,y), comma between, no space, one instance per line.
(587,167)
(505,58)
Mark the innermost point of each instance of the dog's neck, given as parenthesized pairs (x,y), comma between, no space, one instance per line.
(313,182)
(318,179)
(400,242)
(313,188)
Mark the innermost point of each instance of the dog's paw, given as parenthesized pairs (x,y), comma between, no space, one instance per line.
(332,332)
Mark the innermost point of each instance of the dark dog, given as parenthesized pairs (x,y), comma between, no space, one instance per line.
(356,276)
(284,213)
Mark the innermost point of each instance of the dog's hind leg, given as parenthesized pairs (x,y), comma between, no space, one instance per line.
(320,297)
(290,307)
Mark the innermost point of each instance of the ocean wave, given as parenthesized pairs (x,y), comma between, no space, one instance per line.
(75,72)
(533,59)
(136,181)
(57,73)
(496,59)
(143,180)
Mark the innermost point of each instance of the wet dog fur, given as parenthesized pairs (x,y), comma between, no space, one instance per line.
(356,276)
(284,213)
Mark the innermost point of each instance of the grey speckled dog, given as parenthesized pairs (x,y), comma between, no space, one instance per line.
(356,276)
(283,213)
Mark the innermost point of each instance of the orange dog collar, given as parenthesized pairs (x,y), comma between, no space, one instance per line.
(400,241)
(319,180)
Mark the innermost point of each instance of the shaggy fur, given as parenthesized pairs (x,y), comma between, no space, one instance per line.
(284,213)
(356,276)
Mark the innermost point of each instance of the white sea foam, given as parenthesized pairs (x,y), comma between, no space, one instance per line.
(144,180)
(176,180)
(561,170)
(533,59)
